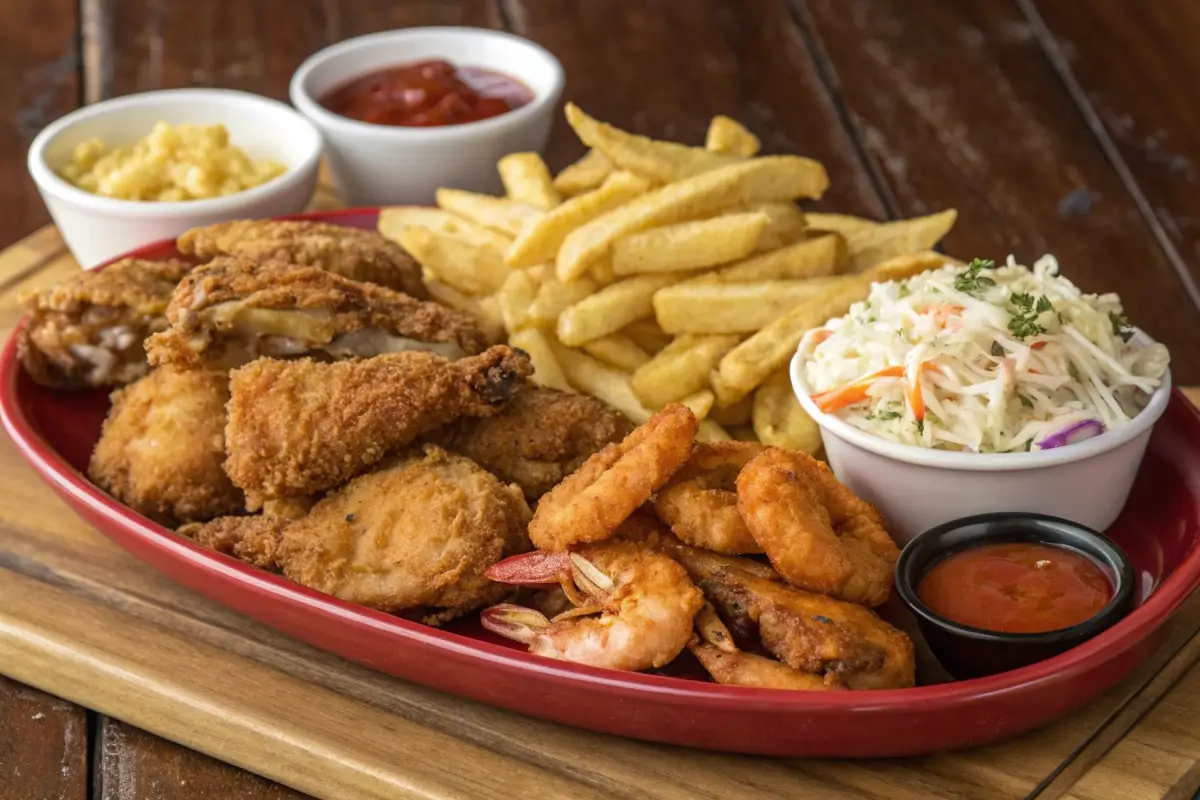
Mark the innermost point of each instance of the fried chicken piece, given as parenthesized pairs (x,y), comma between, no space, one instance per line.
(300,427)
(231,311)
(414,537)
(163,445)
(354,253)
(539,438)
(89,329)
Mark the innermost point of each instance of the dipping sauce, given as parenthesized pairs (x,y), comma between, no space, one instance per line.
(1016,588)
(427,94)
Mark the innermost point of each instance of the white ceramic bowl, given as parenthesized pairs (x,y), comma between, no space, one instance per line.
(98,229)
(916,488)
(388,165)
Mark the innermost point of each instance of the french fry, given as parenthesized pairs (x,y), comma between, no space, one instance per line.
(555,296)
(899,268)
(700,402)
(810,258)
(869,246)
(785,225)
(662,162)
(759,180)
(618,350)
(601,381)
(689,245)
(710,431)
(497,213)
(838,223)
(697,307)
(584,175)
(515,298)
(778,418)
(743,433)
(470,269)
(395,219)
(610,309)
(541,240)
(602,271)
(486,313)
(680,369)
(546,369)
(733,416)
(648,335)
(727,135)
(526,179)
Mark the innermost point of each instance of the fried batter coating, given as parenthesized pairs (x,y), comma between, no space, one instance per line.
(231,311)
(417,535)
(89,329)
(300,427)
(163,445)
(354,253)
(700,501)
(538,439)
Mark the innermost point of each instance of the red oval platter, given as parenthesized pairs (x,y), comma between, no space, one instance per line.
(1159,530)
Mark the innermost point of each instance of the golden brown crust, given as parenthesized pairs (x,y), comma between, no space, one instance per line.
(354,253)
(163,445)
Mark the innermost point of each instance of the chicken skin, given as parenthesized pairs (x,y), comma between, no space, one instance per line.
(231,311)
(414,537)
(539,438)
(360,255)
(162,447)
(89,329)
(297,428)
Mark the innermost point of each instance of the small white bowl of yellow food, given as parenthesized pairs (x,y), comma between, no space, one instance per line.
(126,172)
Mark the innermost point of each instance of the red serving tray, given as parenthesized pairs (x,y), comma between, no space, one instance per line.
(1159,530)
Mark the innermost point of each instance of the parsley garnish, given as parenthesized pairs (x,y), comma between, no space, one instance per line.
(920,425)
(998,350)
(970,281)
(1024,322)
(1025,401)
(885,415)
(1120,326)
(1028,445)
(904,290)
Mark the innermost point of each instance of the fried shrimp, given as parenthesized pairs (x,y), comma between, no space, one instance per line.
(817,533)
(594,500)
(634,607)
(699,503)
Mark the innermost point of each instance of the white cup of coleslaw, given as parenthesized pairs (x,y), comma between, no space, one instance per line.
(916,488)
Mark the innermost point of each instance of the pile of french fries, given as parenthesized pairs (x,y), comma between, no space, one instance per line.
(651,272)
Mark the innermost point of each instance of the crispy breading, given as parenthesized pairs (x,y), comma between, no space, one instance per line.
(232,310)
(538,439)
(354,253)
(301,427)
(163,445)
(89,329)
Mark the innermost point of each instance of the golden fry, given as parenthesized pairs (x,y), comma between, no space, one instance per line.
(555,296)
(610,309)
(515,298)
(681,368)
(618,350)
(785,225)
(484,309)
(648,335)
(584,175)
(395,219)
(469,269)
(526,180)
(689,245)
(710,431)
(496,213)
(727,135)
(546,369)
(733,416)
(698,307)
(870,246)
(905,266)
(601,381)
(700,402)
(838,223)
(810,258)
(778,418)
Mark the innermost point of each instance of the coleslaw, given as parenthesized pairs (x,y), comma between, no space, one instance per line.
(983,359)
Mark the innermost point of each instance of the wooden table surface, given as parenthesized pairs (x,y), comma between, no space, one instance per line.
(1052,125)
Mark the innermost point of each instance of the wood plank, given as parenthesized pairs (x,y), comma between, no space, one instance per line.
(1136,103)
(39,73)
(958,106)
(43,746)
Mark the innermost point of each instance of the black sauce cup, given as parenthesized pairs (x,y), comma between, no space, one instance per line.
(968,652)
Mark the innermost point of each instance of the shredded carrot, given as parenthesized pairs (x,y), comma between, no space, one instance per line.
(853,392)
(942,313)
(915,400)
(821,335)
(1037,345)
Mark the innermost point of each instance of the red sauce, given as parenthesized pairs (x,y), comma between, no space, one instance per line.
(1016,588)
(426,94)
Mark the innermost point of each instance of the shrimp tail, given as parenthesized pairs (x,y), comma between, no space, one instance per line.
(519,623)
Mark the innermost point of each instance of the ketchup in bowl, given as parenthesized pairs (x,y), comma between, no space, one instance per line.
(428,94)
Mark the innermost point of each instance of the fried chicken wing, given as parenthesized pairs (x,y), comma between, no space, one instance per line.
(539,438)
(360,255)
(89,329)
(231,311)
(300,427)
(163,445)
(415,536)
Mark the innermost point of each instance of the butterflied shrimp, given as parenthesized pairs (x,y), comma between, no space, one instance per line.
(634,607)
(700,501)
(818,534)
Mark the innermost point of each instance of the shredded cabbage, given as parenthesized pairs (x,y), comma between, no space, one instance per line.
(983,359)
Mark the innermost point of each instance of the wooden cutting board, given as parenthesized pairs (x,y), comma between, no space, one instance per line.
(81,619)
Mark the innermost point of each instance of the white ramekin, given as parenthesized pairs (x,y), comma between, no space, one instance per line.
(388,165)
(916,488)
(98,229)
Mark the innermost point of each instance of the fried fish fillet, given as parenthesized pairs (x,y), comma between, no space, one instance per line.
(231,311)
(301,427)
(413,537)
(539,438)
(89,329)
(360,255)
(162,447)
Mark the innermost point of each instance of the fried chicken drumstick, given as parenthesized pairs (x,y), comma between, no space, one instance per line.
(301,427)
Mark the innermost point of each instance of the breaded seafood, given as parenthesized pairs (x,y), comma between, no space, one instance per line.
(354,253)
(699,503)
(232,310)
(301,427)
(162,447)
(89,329)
